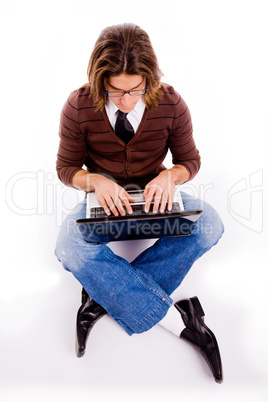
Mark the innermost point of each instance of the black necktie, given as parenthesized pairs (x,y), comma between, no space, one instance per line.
(123,128)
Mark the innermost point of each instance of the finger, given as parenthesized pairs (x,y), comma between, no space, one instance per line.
(170,200)
(105,206)
(164,201)
(145,192)
(125,200)
(149,191)
(130,197)
(119,207)
(157,200)
(148,199)
(112,206)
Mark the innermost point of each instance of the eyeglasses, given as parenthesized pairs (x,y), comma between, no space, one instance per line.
(133,92)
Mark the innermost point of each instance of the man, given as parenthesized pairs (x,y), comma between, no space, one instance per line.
(120,126)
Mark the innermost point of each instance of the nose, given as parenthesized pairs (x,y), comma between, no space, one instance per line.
(126,100)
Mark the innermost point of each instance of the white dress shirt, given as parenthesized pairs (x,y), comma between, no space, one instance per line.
(134,116)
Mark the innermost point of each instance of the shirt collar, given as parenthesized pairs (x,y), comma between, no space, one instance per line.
(139,107)
(112,108)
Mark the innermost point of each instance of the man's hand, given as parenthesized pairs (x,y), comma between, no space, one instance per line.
(161,189)
(112,197)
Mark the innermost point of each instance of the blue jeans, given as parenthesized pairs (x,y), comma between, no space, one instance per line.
(136,294)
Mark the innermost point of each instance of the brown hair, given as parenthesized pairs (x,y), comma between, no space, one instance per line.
(124,49)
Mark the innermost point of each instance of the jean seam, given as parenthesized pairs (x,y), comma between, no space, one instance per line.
(159,294)
(147,318)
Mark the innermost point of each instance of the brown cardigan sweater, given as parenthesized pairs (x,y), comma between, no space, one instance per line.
(87,138)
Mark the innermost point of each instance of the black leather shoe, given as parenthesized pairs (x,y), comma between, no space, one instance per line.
(199,335)
(87,316)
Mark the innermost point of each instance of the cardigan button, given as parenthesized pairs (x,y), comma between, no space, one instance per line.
(127,168)
(127,147)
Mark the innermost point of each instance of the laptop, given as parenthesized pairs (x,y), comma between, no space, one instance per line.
(139,225)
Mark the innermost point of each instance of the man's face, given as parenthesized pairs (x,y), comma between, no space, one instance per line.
(125,82)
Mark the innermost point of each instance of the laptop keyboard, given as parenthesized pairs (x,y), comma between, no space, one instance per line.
(138,210)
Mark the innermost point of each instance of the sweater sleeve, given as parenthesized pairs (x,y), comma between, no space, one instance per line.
(181,141)
(72,146)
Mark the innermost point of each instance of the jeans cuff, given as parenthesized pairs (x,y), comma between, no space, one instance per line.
(152,318)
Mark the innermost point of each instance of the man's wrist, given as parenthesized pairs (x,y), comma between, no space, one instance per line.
(180,174)
(91,181)
(84,180)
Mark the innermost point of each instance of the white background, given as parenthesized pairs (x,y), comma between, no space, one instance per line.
(215,54)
